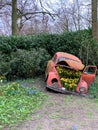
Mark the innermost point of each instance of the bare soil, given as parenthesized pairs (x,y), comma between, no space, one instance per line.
(62,112)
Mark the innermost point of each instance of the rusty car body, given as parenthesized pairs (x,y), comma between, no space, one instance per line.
(65,70)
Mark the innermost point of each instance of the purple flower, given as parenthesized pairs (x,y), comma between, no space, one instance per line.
(32,91)
(74,127)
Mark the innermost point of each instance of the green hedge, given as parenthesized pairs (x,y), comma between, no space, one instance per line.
(19,53)
(24,63)
(12,43)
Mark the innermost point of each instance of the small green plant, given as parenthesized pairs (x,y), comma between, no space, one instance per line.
(55,115)
(2,79)
(17,102)
(93,90)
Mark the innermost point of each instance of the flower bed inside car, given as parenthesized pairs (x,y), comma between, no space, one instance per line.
(69,78)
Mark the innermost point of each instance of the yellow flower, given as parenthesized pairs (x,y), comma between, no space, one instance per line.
(69,78)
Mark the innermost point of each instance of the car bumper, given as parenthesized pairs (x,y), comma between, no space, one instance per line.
(54,88)
(60,90)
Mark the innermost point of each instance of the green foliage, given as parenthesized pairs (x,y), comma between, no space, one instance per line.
(4,64)
(26,56)
(17,102)
(80,43)
(24,63)
(12,43)
(3,79)
(88,48)
(50,42)
(93,90)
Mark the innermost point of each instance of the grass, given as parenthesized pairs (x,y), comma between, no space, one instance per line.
(20,99)
(18,102)
(55,115)
(93,89)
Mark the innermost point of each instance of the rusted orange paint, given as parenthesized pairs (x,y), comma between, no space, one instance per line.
(74,63)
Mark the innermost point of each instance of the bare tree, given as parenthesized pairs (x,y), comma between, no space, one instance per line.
(38,15)
(95,19)
(25,10)
(5,17)
(28,11)
(14,17)
(78,14)
(74,16)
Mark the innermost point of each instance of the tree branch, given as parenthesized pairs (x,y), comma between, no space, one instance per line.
(21,14)
(5,4)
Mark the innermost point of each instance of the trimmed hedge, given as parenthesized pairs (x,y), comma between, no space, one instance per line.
(25,64)
(19,53)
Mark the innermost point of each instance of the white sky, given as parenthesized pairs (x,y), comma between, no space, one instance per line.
(54,5)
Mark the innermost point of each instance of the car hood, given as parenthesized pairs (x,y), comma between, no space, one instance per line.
(75,64)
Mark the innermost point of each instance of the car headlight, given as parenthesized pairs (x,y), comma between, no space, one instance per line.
(54,83)
(54,80)
(82,89)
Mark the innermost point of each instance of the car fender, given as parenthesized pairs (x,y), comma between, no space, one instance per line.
(53,77)
(82,84)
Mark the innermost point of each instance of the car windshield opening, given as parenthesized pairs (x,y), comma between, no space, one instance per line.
(64,59)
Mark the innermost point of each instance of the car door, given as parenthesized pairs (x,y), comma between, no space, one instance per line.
(89,74)
(50,65)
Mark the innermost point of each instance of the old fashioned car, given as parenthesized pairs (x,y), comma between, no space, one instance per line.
(65,73)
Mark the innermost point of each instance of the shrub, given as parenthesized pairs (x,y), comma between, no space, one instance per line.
(12,43)
(17,52)
(4,64)
(25,64)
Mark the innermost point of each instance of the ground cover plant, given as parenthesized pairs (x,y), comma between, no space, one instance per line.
(60,109)
(18,101)
(93,89)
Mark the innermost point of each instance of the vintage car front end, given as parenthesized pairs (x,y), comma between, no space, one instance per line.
(65,74)
(53,82)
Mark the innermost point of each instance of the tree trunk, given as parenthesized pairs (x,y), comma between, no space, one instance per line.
(94,19)
(14,17)
(78,13)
